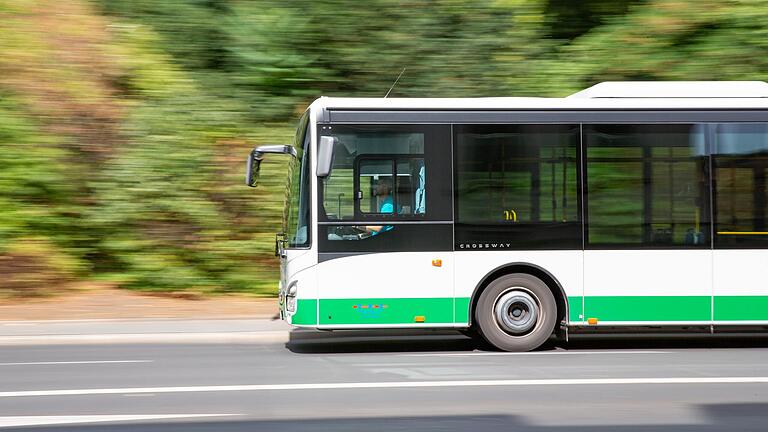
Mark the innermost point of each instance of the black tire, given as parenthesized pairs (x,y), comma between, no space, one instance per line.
(516,312)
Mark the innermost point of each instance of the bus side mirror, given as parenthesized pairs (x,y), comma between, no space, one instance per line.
(252,168)
(325,155)
(253,164)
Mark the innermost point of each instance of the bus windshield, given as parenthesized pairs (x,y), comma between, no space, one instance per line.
(296,217)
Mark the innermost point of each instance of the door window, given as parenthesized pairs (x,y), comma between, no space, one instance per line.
(647,186)
(741,185)
(392,185)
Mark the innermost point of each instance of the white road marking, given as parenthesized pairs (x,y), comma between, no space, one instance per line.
(532,353)
(389,384)
(15,421)
(74,362)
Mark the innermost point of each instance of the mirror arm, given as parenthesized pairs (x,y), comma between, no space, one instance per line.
(256,155)
(260,151)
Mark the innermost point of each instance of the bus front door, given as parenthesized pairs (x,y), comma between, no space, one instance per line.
(648,259)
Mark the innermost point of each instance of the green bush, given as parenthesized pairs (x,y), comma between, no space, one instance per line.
(124,130)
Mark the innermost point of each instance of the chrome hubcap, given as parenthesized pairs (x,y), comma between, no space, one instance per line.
(516,311)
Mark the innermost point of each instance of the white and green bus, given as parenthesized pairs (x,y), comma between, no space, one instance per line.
(626,206)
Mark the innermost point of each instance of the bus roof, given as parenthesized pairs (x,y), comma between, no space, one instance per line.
(675,89)
(606,95)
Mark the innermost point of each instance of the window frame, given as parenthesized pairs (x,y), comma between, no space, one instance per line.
(394,158)
(706,208)
(431,231)
(724,160)
(438,162)
(485,238)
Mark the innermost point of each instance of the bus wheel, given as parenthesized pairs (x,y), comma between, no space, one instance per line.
(516,312)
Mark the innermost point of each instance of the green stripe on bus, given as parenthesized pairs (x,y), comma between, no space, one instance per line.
(461,310)
(575,308)
(648,308)
(605,308)
(386,311)
(741,308)
(306,312)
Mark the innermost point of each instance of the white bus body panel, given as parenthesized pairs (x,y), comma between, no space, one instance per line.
(387,275)
(387,289)
(740,286)
(626,287)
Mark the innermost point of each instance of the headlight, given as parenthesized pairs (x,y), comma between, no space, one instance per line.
(290,297)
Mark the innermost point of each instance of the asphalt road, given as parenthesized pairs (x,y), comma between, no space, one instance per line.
(313,381)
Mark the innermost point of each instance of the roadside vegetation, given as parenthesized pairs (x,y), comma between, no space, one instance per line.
(124,124)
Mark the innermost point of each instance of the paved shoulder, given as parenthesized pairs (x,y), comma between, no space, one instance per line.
(142,331)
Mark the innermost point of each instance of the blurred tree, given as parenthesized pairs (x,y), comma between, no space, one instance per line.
(191,29)
(290,53)
(674,40)
(57,117)
(123,134)
(170,222)
(37,239)
(567,19)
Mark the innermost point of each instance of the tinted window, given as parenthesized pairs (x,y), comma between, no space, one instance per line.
(414,160)
(741,170)
(517,187)
(364,160)
(384,177)
(297,214)
(646,186)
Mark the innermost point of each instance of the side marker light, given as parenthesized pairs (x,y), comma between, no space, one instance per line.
(437,263)
(592,321)
(419,318)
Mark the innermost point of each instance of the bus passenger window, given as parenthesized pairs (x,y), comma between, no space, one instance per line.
(517,185)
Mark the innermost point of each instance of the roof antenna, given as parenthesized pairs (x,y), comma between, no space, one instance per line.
(395,83)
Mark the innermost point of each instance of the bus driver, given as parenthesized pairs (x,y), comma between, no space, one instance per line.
(383,193)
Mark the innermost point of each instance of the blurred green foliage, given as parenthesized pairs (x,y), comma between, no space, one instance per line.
(124,124)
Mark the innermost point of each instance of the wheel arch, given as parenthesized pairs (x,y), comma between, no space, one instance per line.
(561,300)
